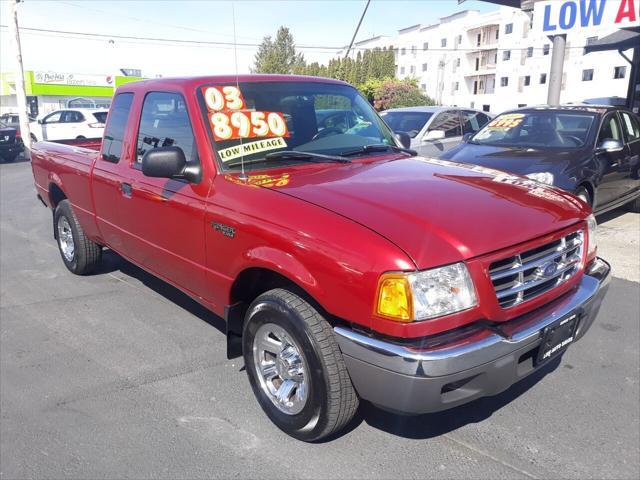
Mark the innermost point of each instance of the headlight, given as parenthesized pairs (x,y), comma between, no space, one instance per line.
(592,230)
(408,297)
(542,177)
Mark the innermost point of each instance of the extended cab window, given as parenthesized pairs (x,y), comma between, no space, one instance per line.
(165,123)
(610,129)
(114,133)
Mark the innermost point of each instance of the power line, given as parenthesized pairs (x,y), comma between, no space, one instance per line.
(334,48)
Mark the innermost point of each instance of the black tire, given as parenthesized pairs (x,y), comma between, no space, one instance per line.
(331,399)
(634,205)
(87,255)
(583,194)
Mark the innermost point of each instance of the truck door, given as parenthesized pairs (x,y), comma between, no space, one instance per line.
(109,193)
(163,219)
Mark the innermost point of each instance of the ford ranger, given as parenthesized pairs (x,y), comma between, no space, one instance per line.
(346,267)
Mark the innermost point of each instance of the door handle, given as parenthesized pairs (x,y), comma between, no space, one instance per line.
(126,189)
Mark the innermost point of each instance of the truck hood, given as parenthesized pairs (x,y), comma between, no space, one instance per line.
(437,212)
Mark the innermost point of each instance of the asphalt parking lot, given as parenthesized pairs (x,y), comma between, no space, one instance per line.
(119,375)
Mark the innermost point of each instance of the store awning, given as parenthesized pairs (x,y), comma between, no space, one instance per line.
(620,40)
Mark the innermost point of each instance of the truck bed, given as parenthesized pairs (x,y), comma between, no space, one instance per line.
(67,163)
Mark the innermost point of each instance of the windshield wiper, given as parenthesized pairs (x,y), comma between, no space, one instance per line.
(305,156)
(378,147)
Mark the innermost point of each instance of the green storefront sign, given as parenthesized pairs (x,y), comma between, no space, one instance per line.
(65,85)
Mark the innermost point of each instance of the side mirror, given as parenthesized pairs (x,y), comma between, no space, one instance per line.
(609,145)
(466,137)
(434,135)
(404,138)
(164,162)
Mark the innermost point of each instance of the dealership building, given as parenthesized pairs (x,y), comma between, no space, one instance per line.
(501,60)
(49,91)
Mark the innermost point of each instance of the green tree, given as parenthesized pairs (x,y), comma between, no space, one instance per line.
(403,93)
(279,55)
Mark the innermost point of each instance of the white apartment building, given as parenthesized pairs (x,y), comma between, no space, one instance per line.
(498,61)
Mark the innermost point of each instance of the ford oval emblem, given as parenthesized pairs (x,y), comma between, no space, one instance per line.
(547,270)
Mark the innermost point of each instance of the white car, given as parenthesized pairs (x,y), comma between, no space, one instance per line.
(434,130)
(70,123)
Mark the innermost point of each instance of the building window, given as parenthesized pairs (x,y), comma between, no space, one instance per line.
(443,42)
(412,69)
(485,108)
(506,55)
(497,33)
(423,86)
(527,80)
(401,70)
(619,72)
(459,41)
(424,67)
(456,86)
(414,49)
(458,62)
(530,52)
(587,75)
(508,28)
(545,49)
(504,81)
(403,51)
(425,46)
(543,78)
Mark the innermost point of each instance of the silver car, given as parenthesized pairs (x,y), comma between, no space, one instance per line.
(434,130)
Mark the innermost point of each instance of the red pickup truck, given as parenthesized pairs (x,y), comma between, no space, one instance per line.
(345,266)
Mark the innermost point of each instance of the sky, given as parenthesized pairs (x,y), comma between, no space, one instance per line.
(328,24)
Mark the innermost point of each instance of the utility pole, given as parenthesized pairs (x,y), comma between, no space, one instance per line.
(357,28)
(19,80)
(557,67)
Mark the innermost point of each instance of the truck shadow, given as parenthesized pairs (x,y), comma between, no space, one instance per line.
(112,262)
(435,424)
(413,427)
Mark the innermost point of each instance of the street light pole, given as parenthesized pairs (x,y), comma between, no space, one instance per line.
(557,67)
(19,80)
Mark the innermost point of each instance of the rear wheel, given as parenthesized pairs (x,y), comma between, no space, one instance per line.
(79,254)
(295,367)
(634,205)
(9,158)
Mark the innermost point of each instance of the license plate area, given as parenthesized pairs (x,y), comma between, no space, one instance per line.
(557,337)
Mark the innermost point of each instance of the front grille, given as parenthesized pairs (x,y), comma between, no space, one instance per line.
(533,272)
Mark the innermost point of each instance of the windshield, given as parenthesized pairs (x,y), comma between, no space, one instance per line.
(410,122)
(254,119)
(540,129)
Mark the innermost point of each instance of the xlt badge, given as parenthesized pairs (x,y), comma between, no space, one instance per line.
(226,230)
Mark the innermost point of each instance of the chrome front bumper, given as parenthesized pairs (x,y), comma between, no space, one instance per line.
(481,361)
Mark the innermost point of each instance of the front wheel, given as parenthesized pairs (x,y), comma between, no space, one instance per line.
(295,367)
(583,194)
(79,254)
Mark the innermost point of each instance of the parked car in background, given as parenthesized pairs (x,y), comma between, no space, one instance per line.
(10,143)
(434,130)
(591,151)
(69,124)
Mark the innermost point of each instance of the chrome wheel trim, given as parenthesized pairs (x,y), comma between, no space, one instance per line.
(65,239)
(281,368)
